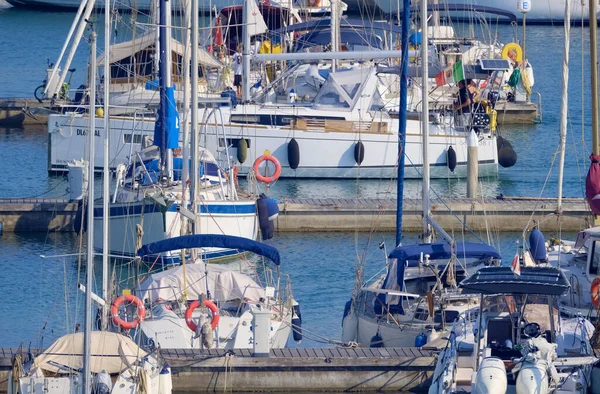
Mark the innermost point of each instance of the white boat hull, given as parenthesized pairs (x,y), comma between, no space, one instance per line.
(323,154)
(541,12)
(236,218)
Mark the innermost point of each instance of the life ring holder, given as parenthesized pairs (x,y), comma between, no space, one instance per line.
(267,179)
(510,46)
(595,292)
(114,311)
(210,305)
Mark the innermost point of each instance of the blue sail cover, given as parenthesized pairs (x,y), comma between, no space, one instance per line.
(214,241)
(441,250)
(171,121)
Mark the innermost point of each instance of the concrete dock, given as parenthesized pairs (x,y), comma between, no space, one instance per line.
(290,370)
(299,215)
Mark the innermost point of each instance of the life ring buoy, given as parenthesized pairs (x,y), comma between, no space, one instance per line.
(114,311)
(267,179)
(210,305)
(595,292)
(512,46)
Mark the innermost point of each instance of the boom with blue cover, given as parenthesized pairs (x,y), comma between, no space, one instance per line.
(211,241)
(441,250)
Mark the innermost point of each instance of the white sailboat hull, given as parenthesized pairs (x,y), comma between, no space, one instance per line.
(323,154)
(541,12)
(236,218)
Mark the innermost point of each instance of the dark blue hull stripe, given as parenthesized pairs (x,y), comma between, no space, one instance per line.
(137,209)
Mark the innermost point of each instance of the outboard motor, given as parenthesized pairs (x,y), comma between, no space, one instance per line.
(313,78)
(491,377)
(493,97)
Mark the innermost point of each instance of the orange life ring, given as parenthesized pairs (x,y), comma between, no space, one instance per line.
(314,3)
(114,311)
(267,179)
(595,292)
(210,305)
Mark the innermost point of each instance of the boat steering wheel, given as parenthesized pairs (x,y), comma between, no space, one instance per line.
(531,330)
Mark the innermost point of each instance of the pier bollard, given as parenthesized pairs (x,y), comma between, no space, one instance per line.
(472,165)
(261,326)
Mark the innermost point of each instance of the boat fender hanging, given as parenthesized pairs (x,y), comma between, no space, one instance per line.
(347,309)
(210,305)
(359,152)
(293,150)
(267,228)
(420,340)
(272,206)
(296,321)
(114,311)
(165,385)
(502,142)
(507,157)
(206,333)
(537,245)
(376,340)
(265,178)
(451,158)
(242,150)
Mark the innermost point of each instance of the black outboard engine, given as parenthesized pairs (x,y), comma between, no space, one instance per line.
(493,97)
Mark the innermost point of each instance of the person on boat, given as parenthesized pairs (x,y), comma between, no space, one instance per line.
(463,104)
(474,91)
(236,61)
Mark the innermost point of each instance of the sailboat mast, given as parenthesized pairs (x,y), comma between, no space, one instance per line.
(89,269)
(402,118)
(165,82)
(425,120)
(246,51)
(564,103)
(594,72)
(106,169)
(194,114)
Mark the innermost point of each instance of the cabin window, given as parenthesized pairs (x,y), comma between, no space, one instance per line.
(595,262)
(137,138)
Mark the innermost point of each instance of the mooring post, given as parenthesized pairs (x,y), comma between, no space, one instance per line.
(472,165)
(261,326)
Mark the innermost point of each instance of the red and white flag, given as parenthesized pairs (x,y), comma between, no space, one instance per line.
(516,266)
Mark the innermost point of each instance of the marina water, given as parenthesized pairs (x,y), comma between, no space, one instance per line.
(40,297)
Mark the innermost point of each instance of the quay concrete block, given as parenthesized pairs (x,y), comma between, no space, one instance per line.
(31,215)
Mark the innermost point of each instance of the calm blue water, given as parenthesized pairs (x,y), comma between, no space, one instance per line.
(40,300)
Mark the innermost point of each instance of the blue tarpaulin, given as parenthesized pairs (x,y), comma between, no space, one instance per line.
(171,122)
(211,241)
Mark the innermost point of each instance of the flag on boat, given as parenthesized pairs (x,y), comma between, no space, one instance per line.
(171,120)
(516,266)
(451,74)
(592,185)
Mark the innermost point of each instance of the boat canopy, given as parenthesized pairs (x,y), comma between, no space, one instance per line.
(342,89)
(127,49)
(223,284)
(351,39)
(549,281)
(211,241)
(110,351)
(441,250)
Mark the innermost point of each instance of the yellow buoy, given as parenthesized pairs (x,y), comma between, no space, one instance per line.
(99,112)
(512,46)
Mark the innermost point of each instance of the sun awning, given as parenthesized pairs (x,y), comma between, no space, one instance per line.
(502,280)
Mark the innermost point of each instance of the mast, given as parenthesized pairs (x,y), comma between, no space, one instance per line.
(335,34)
(167,96)
(402,118)
(89,269)
(194,115)
(564,102)
(425,120)
(106,169)
(594,71)
(246,51)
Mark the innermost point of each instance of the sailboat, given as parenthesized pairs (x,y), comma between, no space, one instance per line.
(398,308)
(83,362)
(151,193)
